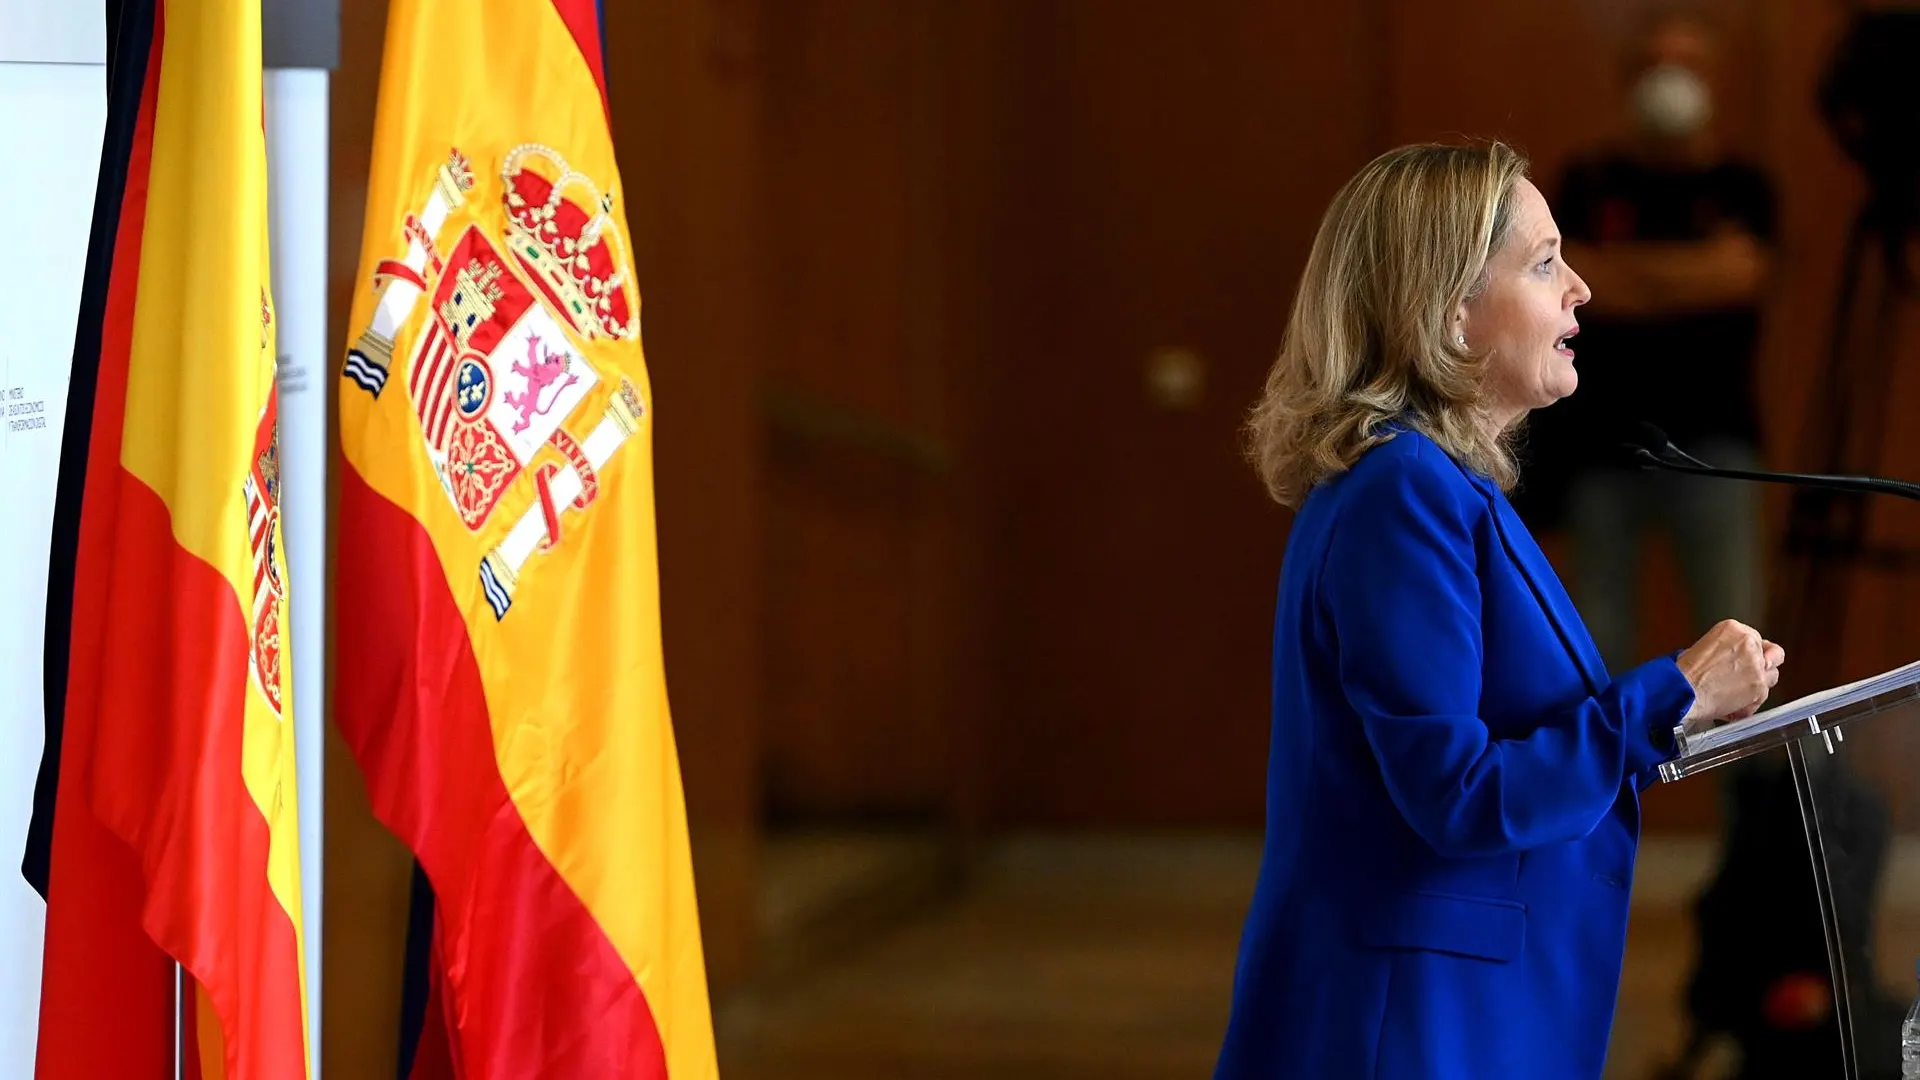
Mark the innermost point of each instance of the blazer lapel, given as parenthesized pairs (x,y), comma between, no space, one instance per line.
(1547,590)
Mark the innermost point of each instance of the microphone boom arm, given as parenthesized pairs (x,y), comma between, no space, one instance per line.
(1866,484)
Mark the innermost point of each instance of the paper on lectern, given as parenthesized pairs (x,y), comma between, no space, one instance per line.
(1795,711)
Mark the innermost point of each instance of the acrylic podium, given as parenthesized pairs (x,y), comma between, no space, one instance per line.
(1852,756)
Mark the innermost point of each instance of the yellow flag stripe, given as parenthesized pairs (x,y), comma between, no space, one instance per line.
(201,370)
(573,670)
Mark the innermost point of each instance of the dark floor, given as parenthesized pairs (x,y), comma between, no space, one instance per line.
(1065,959)
(1108,958)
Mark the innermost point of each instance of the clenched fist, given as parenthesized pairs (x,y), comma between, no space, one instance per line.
(1732,669)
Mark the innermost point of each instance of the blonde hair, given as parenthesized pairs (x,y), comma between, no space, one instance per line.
(1371,336)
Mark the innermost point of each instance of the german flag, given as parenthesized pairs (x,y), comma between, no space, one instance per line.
(165,823)
(498,672)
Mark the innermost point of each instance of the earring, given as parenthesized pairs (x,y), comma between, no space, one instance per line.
(1462,339)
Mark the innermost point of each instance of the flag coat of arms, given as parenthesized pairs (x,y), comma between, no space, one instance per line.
(498,665)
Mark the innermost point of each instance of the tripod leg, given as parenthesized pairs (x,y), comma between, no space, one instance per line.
(1825,529)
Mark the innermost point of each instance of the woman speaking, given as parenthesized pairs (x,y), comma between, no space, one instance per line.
(1453,787)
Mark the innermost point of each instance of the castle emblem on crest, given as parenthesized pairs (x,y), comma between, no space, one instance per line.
(262,491)
(496,375)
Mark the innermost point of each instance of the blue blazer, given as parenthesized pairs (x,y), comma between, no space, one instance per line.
(1453,795)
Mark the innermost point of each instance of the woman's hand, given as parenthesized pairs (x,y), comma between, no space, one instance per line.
(1732,669)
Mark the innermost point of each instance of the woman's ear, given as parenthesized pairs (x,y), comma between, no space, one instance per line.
(1460,326)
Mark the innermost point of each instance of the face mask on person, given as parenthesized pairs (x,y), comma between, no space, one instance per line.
(1672,101)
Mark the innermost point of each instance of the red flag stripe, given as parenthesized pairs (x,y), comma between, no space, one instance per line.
(442,381)
(99,967)
(583,21)
(201,670)
(506,911)
(417,381)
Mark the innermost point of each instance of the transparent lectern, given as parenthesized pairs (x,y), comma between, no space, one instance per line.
(1854,756)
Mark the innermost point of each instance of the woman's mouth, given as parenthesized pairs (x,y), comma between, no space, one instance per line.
(1561,346)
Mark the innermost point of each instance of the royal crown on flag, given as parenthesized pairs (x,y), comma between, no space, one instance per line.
(568,245)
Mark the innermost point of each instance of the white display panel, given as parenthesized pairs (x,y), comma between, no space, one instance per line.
(297,185)
(53,32)
(52,118)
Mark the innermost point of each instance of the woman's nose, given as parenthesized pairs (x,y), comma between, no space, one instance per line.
(1580,294)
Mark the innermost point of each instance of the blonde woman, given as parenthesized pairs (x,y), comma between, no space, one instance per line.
(1453,790)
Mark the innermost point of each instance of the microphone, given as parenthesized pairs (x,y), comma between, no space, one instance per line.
(1650,448)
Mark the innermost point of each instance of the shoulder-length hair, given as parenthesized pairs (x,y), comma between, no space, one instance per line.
(1371,337)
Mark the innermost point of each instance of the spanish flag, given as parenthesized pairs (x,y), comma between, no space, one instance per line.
(165,829)
(497,668)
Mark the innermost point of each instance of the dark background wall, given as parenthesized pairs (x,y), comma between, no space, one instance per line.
(937,547)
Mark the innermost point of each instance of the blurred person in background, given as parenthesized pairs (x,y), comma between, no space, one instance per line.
(1673,235)
(1453,779)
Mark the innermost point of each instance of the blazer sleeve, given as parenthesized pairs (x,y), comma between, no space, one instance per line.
(1401,590)
(1663,728)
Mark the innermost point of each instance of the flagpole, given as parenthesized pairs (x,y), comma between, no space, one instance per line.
(179,1023)
(295,89)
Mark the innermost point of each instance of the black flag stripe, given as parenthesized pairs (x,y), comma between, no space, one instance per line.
(129,41)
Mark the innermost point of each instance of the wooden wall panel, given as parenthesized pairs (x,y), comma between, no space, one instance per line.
(685,91)
(878,122)
(1165,177)
(1167,173)
(368,873)
(851,464)
(930,545)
